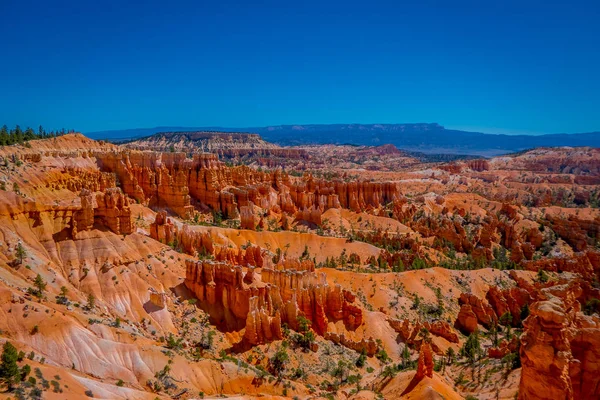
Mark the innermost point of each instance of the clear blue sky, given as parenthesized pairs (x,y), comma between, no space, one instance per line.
(510,66)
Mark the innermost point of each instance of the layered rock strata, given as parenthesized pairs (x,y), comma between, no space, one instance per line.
(560,348)
(170,180)
(266,300)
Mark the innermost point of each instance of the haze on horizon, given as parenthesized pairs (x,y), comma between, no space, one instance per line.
(509,67)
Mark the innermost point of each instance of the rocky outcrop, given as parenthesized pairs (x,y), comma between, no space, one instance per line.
(191,241)
(261,327)
(159,300)
(466,320)
(114,212)
(84,219)
(78,179)
(586,263)
(576,161)
(312,215)
(546,351)
(262,302)
(220,289)
(579,233)
(560,348)
(504,348)
(368,346)
(409,332)
(263,155)
(509,301)
(478,165)
(585,369)
(162,229)
(198,243)
(474,311)
(109,208)
(248,220)
(228,145)
(304,292)
(425,363)
(159,180)
(248,256)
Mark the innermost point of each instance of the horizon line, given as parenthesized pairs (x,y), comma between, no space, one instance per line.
(247,129)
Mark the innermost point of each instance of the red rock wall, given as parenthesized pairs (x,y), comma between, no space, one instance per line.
(171,180)
(560,348)
(110,208)
(280,295)
(113,210)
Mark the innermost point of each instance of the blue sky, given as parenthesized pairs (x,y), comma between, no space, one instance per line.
(495,66)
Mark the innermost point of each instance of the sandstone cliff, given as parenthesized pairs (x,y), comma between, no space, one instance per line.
(560,348)
(277,295)
(173,181)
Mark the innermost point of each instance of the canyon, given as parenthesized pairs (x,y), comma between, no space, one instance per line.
(204,264)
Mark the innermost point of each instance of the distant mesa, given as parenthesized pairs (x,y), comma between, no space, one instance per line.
(411,137)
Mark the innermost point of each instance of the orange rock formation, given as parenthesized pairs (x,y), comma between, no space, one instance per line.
(560,348)
(280,295)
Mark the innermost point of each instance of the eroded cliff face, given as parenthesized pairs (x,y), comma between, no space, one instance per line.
(486,312)
(586,263)
(52,222)
(261,302)
(173,181)
(560,348)
(112,211)
(474,311)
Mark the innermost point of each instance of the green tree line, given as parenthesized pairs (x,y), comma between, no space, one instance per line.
(19,136)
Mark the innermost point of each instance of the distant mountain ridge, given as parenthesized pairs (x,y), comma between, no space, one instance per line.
(423,137)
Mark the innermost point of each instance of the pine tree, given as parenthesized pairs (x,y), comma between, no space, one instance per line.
(399,266)
(40,285)
(279,360)
(91,301)
(360,361)
(9,370)
(29,134)
(21,253)
(450,355)
(494,334)
(18,135)
(62,297)
(4,136)
(542,276)
(506,320)
(524,312)
(405,355)
(472,347)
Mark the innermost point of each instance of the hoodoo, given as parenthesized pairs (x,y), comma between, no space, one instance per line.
(133,273)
